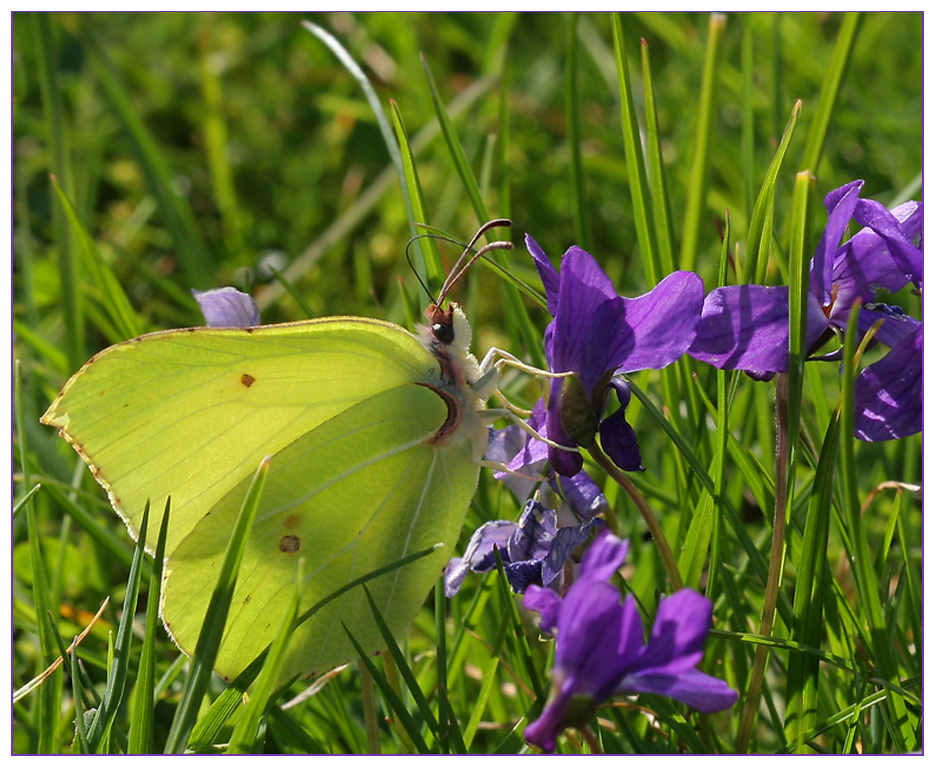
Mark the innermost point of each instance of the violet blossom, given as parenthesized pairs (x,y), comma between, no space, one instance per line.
(598,336)
(747,326)
(227,308)
(552,526)
(600,648)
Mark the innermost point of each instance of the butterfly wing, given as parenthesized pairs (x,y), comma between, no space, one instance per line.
(357,478)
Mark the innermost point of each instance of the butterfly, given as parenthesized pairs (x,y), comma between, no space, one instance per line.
(375,437)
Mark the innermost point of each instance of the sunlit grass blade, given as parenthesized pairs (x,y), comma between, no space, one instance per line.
(217,143)
(457,152)
(113,298)
(244,738)
(831,87)
(489,680)
(665,237)
(450,734)
(209,640)
(760,231)
(386,131)
(430,266)
(291,289)
(140,738)
(117,673)
(800,253)
(702,144)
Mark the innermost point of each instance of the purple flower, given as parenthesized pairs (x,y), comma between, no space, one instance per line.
(558,516)
(889,393)
(598,335)
(747,326)
(227,308)
(533,551)
(600,648)
(575,498)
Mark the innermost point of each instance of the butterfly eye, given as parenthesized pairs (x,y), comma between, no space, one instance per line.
(444,332)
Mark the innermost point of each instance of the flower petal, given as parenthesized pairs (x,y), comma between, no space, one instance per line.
(227,308)
(547,272)
(603,558)
(479,554)
(546,603)
(889,393)
(747,327)
(657,327)
(682,623)
(841,204)
(695,688)
(567,540)
(618,438)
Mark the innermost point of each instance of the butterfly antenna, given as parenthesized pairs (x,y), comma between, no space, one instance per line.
(409,260)
(470,256)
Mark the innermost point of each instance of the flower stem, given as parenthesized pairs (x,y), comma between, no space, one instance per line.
(775,570)
(656,531)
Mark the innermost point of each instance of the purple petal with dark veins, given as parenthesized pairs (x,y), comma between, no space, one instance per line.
(658,327)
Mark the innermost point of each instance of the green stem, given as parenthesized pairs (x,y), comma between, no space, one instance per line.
(656,531)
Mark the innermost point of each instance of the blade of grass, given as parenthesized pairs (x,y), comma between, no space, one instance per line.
(140,738)
(457,152)
(244,738)
(572,100)
(209,639)
(386,131)
(113,298)
(393,700)
(430,266)
(105,715)
(48,704)
(419,698)
(60,166)
(449,732)
(789,390)
(636,169)
(868,582)
(209,726)
(701,159)
(192,252)
(831,86)
(214,130)
(760,231)
(665,237)
(809,597)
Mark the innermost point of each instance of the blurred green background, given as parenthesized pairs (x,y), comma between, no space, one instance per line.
(269,140)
